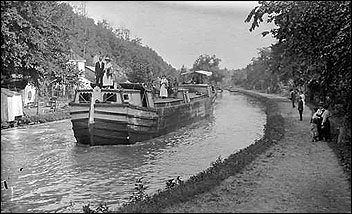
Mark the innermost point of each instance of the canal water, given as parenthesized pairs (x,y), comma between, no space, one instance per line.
(46,171)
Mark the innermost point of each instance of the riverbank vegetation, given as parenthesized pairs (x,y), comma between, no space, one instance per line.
(313,54)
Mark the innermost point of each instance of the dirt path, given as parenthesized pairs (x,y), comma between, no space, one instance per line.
(294,175)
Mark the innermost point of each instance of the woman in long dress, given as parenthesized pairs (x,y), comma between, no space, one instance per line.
(107,78)
(163,88)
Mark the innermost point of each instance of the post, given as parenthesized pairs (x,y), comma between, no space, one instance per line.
(91,121)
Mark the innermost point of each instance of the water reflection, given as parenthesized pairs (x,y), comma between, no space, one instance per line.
(56,171)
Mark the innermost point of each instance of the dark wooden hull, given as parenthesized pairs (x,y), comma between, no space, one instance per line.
(116,124)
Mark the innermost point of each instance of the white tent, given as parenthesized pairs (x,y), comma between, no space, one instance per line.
(208,73)
(11,105)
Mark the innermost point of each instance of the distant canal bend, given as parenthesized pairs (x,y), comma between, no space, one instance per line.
(47,172)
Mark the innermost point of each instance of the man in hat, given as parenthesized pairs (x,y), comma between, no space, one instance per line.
(99,72)
(300,107)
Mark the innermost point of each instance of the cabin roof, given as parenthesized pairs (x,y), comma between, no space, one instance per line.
(207,73)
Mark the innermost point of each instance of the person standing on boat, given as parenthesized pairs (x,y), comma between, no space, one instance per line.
(175,87)
(99,72)
(107,77)
(163,87)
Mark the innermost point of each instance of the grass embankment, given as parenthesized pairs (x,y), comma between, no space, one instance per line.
(42,115)
(220,169)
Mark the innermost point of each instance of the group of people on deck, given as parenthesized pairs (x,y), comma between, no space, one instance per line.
(105,78)
(165,87)
(320,124)
(104,73)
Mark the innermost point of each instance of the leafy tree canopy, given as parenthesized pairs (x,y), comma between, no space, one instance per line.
(34,43)
(314,40)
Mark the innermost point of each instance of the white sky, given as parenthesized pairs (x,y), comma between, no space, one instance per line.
(180,31)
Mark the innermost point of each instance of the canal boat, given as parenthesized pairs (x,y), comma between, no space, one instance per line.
(133,113)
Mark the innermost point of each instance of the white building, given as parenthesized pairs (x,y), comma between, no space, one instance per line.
(77,60)
(11,105)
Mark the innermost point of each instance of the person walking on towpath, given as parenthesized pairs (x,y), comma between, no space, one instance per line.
(314,125)
(325,124)
(303,97)
(300,107)
(319,116)
(293,98)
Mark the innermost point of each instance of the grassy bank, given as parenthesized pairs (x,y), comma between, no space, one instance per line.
(220,169)
(41,114)
(38,118)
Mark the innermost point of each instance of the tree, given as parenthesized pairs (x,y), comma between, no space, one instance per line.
(206,62)
(34,40)
(315,38)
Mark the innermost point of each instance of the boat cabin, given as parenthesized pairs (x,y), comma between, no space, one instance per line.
(129,93)
(137,95)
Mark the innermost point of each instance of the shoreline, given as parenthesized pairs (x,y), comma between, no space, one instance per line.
(36,119)
(220,169)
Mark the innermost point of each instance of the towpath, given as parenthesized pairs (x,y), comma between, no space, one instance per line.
(294,175)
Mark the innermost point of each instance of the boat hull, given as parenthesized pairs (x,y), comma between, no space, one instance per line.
(119,124)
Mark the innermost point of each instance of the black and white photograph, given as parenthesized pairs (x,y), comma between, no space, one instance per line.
(176,106)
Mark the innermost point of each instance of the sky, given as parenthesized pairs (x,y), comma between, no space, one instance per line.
(181,31)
